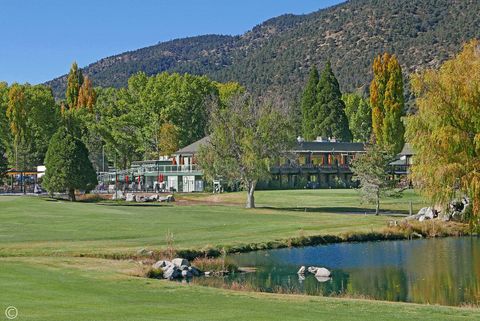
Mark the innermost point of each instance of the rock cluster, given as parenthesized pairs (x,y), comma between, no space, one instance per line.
(321,274)
(130,197)
(176,269)
(456,211)
(426,213)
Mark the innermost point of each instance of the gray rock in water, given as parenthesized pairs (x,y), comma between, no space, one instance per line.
(301,270)
(130,197)
(162,264)
(312,269)
(322,279)
(322,272)
(178,262)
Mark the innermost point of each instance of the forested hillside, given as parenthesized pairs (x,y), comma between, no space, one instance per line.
(275,56)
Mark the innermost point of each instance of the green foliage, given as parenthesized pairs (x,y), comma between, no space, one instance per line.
(309,99)
(74,82)
(245,140)
(68,165)
(371,171)
(329,110)
(228,90)
(445,131)
(359,116)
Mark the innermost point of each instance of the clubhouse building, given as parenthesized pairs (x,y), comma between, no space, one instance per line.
(323,163)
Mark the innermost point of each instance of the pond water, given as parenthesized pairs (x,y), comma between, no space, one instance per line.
(435,271)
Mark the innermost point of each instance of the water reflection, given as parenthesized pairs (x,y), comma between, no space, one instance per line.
(437,271)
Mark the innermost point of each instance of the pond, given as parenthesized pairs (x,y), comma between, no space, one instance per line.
(435,271)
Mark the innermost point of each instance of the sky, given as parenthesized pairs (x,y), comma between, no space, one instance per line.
(41,38)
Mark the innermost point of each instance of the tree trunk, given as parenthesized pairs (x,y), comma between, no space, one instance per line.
(377,206)
(71,194)
(250,194)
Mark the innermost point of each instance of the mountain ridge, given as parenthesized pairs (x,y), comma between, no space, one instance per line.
(274,57)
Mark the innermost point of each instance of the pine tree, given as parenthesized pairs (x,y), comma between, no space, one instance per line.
(74,82)
(309,100)
(330,117)
(68,165)
(387,101)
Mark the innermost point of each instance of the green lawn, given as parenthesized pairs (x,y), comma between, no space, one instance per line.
(41,277)
(35,226)
(93,289)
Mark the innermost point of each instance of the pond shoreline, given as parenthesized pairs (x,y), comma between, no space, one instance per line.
(404,231)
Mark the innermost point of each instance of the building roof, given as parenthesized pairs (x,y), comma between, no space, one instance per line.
(407,150)
(329,147)
(193,148)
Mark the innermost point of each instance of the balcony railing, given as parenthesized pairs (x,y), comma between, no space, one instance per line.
(313,167)
(166,168)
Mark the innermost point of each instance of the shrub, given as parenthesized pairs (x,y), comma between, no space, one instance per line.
(215,264)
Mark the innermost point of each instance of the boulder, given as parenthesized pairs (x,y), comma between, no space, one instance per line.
(431,213)
(139,198)
(187,274)
(130,197)
(152,198)
(170,198)
(421,218)
(118,195)
(322,279)
(322,272)
(312,269)
(178,262)
(171,272)
(161,264)
(301,270)
(194,271)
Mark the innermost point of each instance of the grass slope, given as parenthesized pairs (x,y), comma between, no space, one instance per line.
(46,286)
(92,289)
(34,226)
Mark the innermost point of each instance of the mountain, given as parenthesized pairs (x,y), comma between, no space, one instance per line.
(275,56)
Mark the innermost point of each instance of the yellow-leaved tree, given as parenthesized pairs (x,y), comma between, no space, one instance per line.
(445,132)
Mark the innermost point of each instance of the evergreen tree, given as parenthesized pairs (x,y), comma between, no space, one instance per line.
(309,100)
(371,170)
(74,82)
(359,116)
(68,165)
(387,101)
(330,117)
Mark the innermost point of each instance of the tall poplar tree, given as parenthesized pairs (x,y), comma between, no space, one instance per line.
(387,101)
(17,114)
(74,82)
(330,117)
(86,95)
(309,100)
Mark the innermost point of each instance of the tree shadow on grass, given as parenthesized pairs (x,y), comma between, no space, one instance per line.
(336,210)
